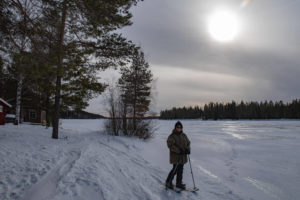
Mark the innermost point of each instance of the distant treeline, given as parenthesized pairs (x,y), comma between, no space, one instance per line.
(79,115)
(233,110)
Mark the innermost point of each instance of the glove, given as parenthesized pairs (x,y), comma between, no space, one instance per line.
(182,151)
(187,151)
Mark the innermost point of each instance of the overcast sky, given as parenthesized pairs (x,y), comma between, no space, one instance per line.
(191,68)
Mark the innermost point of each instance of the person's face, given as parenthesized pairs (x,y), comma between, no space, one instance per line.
(179,128)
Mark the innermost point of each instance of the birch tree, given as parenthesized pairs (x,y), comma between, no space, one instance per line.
(17,18)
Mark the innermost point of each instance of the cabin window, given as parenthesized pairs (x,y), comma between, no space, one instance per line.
(32,115)
(1,109)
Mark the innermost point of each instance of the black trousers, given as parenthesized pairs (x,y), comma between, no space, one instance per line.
(176,170)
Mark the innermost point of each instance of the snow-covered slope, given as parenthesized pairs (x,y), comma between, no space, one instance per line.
(230,159)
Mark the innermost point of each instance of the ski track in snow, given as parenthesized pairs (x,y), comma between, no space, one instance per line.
(25,157)
(45,188)
(111,172)
(267,188)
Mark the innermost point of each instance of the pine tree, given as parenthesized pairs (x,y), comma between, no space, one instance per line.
(135,86)
(83,33)
(68,39)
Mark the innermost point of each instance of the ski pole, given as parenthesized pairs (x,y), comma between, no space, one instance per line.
(191,171)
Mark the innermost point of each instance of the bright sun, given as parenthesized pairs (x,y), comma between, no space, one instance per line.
(223,26)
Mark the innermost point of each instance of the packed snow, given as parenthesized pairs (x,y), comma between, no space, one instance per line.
(231,160)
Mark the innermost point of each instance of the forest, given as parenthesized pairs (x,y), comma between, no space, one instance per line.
(51,53)
(233,110)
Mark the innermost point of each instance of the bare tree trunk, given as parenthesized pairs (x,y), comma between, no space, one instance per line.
(125,119)
(134,116)
(134,101)
(18,100)
(1,79)
(20,75)
(114,122)
(56,107)
(113,111)
(47,109)
(59,72)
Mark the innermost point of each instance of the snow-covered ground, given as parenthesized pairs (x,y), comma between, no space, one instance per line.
(231,160)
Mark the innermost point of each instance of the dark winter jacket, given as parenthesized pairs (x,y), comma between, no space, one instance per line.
(178,143)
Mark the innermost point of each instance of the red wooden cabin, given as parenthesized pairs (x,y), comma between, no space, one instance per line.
(3,107)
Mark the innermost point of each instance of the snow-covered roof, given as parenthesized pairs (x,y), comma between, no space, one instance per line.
(10,116)
(2,100)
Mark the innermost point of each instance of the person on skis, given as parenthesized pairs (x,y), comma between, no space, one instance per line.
(179,146)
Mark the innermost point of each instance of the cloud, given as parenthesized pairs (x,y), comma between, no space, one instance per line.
(181,86)
(263,62)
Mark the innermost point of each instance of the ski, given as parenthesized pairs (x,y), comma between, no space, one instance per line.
(191,189)
(175,189)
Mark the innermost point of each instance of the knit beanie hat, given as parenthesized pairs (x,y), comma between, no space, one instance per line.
(178,124)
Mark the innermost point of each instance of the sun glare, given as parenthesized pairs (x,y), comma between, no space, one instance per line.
(223,26)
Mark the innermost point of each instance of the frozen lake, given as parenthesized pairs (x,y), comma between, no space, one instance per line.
(249,159)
